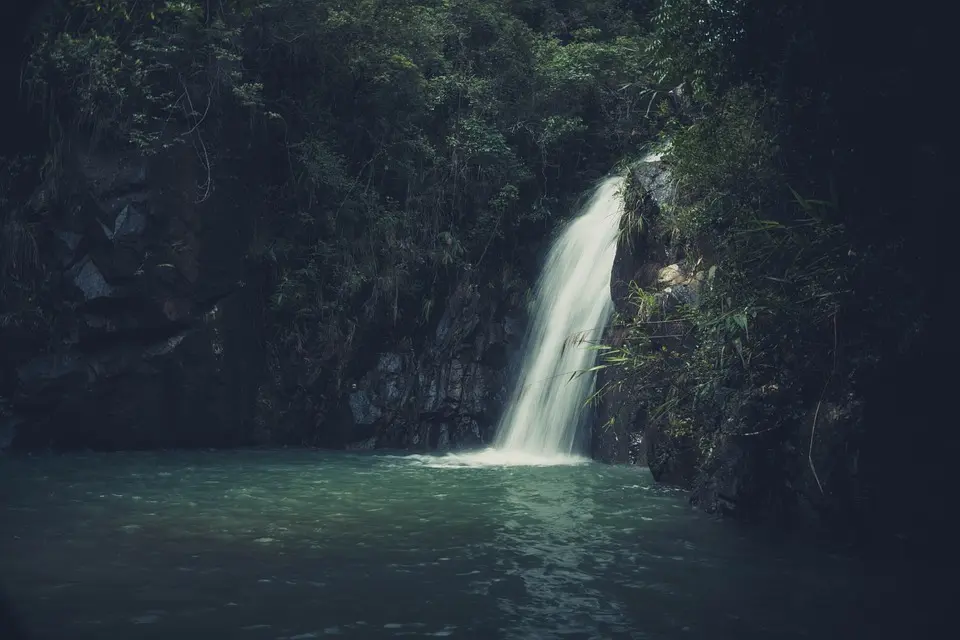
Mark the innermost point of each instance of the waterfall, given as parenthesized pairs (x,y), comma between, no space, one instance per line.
(571,308)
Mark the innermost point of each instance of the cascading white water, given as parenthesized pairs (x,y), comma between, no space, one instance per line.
(571,308)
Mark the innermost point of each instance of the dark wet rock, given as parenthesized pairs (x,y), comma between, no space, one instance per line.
(86,276)
(131,222)
(152,337)
(8,424)
(448,394)
(620,433)
(639,259)
(672,460)
(67,250)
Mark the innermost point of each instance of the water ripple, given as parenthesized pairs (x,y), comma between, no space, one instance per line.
(473,545)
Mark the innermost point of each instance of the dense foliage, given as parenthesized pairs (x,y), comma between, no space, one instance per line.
(802,278)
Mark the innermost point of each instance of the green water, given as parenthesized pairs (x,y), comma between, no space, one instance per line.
(298,545)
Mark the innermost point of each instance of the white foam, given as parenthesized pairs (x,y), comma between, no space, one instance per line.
(494,457)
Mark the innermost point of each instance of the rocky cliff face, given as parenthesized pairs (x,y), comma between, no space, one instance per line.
(450,393)
(148,326)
